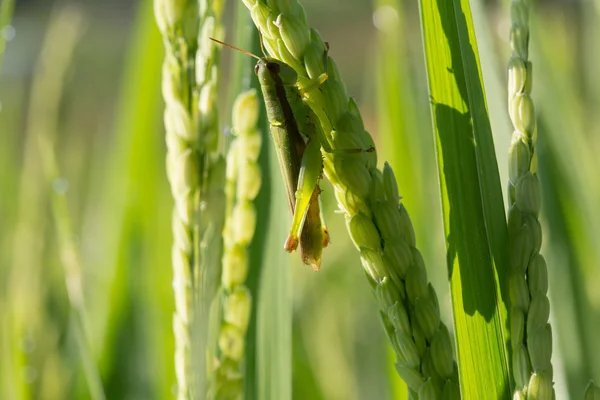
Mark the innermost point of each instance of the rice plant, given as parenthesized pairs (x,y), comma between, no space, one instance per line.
(371,141)
(531,334)
(196,173)
(242,186)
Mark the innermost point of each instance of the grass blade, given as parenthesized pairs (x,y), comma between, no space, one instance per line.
(274,308)
(260,249)
(471,197)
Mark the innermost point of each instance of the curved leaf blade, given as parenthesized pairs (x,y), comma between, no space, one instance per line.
(473,209)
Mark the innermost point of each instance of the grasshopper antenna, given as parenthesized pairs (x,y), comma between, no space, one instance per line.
(235,48)
(262,46)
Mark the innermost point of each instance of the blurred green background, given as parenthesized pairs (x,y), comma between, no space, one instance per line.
(85,279)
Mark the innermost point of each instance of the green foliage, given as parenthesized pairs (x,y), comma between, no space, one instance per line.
(471,197)
(97,201)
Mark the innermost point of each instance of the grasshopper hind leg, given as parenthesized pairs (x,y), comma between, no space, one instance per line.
(315,235)
(312,236)
(308,230)
(306,196)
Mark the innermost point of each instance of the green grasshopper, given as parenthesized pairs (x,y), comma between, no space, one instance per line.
(298,141)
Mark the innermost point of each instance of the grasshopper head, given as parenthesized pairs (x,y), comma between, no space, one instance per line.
(268,70)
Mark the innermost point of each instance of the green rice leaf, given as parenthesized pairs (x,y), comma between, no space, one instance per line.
(274,299)
(268,373)
(471,192)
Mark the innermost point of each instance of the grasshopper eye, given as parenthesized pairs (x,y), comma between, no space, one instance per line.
(274,67)
(256,67)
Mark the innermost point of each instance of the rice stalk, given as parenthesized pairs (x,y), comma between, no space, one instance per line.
(531,334)
(377,221)
(243,182)
(196,173)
